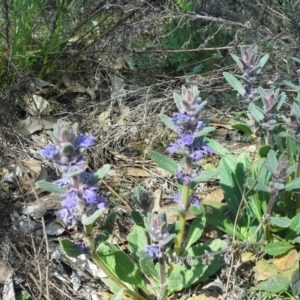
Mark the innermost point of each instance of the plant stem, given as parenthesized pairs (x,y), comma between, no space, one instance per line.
(186,203)
(297,192)
(162,274)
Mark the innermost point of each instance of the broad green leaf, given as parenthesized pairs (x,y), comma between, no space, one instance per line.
(120,264)
(236,59)
(282,222)
(118,296)
(234,83)
(195,231)
(69,248)
(204,131)
(295,283)
(148,268)
(294,229)
(113,287)
(264,150)
(256,112)
(108,224)
(296,59)
(275,284)
(291,85)
(293,185)
(261,63)
(99,174)
(50,187)
(168,122)
(177,100)
(221,221)
(232,173)
(199,212)
(93,218)
(242,127)
(206,175)
(277,249)
(137,240)
(164,162)
(137,218)
(182,277)
(217,147)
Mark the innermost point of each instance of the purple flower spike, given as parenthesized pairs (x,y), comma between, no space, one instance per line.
(49,152)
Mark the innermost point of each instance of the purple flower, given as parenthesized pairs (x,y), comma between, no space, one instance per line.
(152,250)
(84,177)
(71,199)
(63,182)
(83,141)
(185,177)
(89,194)
(187,139)
(82,246)
(173,147)
(194,201)
(49,152)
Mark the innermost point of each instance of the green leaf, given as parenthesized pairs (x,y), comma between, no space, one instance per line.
(113,287)
(195,231)
(291,85)
(204,131)
(164,162)
(99,174)
(108,224)
(177,100)
(264,150)
(23,295)
(295,283)
(234,83)
(206,175)
(262,63)
(120,264)
(69,248)
(168,122)
(118,296)
(232,173)
(256,112)
(217,147)
(294,229)
(236,59)
(137,218)
(182,277)
(275,284)
(137,240)
(92,219)
(282,222)
(222,222)
(50,187)
(277,248)
(148,268)
(257,186)
(242,127)
(197,211)
(293,185)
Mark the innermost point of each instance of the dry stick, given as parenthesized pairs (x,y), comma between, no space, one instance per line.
(233,236)
(117,195)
